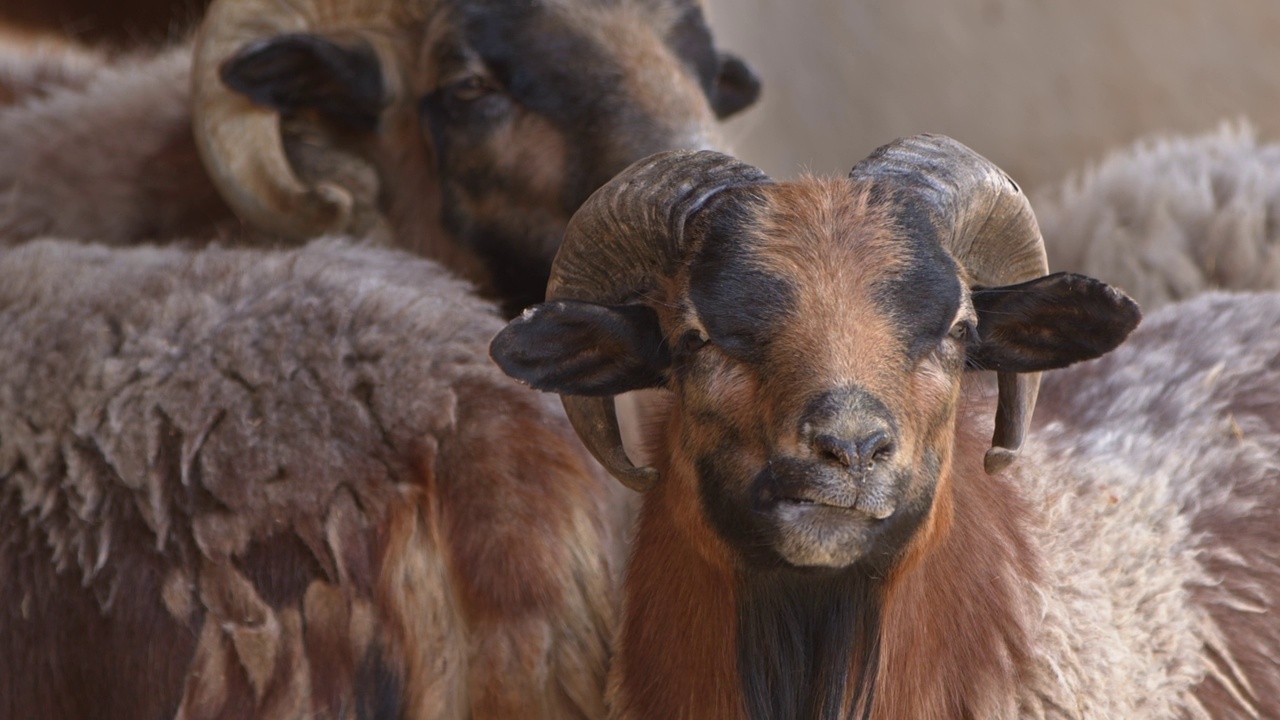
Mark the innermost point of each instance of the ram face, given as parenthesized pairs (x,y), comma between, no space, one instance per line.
(813,336)
(470,130)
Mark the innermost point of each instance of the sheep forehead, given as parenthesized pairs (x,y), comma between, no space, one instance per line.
(606,46)
(859,292)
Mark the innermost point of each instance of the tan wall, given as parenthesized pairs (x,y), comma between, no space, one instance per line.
(1039,86)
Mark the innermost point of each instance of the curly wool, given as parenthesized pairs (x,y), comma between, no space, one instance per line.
(298,476)
(1172,216)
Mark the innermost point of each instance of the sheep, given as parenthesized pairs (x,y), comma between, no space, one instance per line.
(1172,216)
(123,22)
(822,534)
(62,173)
(465,131)
(32,65)
(283,484)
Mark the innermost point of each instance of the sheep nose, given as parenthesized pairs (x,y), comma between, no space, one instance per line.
(855,453)
(850,428)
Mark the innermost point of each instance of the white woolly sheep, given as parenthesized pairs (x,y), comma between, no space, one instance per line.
(1172,216)
(287,484)
(823,535)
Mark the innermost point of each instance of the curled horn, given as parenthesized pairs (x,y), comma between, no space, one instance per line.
(987,225)
(240,142)
(618,246)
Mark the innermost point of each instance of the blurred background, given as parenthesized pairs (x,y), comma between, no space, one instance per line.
(1041,87)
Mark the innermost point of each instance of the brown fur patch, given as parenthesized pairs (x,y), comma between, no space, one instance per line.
(526,514)
(834,245)
(422,625)
(655,80)
(676,655)
(955,629)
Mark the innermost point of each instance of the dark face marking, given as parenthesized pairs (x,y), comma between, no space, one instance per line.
(752,521)
(296,72)
(923,299)
(799,634)
(507,194)
(741,303)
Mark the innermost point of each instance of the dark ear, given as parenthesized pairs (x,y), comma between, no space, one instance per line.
(580,348)
(737,87)
(296,72)
(1050,322)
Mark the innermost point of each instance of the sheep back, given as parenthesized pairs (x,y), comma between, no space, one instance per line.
(236,483)
(1172,216)
(1160,479)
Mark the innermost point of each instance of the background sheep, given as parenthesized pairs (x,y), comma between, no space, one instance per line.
(105,151)
(821,467)
(32,65)
(284,484)
(1172,216)
(463,130)
(121,22)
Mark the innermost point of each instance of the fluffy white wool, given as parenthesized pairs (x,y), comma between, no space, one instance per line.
(1172,216)
(1140,452)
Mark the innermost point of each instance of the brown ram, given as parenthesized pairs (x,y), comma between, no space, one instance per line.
(823,534)
(285,484)
(463,130)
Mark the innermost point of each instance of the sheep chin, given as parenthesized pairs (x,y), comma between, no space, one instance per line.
(815,535)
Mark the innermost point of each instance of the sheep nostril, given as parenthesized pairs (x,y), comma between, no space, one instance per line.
(856,454)
(875,447)
(835,450)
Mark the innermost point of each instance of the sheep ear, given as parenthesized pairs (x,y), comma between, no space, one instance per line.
(1049,323)
(737,87)
(581,348)
(300,71)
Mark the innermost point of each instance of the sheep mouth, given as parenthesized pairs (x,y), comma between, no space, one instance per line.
(814,534)
(826,524)
(872,498)
(858,506)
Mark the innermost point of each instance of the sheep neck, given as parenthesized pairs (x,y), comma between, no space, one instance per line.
(808,643)
(957,619)
(676,656)
(706,637)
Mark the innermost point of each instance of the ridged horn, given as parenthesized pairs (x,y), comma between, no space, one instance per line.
(988,226)
(620,243)
(240,142)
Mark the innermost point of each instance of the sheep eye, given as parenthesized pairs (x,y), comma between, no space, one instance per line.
(691,342)
(471,88)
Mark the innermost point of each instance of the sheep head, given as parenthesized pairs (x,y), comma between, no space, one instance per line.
(485,121)
(813,334)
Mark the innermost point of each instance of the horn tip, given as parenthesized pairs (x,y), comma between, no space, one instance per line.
(998,458)
(639,479)
(326,208)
